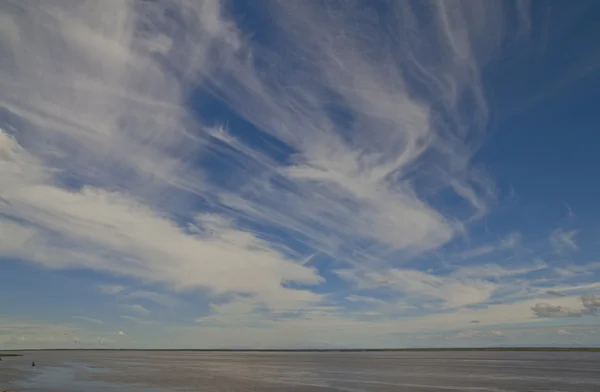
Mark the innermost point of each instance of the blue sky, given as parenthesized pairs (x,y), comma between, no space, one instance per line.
(204,174)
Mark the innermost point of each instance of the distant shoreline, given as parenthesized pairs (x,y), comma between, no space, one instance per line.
(571,349)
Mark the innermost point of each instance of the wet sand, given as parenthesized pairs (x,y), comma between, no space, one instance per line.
(307,372)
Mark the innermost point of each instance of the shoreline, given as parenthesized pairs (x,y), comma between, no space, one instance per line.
(15,353)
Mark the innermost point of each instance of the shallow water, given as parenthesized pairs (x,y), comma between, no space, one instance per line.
(137,371)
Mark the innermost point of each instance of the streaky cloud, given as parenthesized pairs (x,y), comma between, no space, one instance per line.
(297,183)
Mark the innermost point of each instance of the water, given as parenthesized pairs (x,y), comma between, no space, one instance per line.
(137,371)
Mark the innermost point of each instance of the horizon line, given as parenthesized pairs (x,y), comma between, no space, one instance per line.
(494,348)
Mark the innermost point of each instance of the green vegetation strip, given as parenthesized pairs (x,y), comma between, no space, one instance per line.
(9,355)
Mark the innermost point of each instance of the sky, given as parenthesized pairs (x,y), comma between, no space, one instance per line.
(299,174)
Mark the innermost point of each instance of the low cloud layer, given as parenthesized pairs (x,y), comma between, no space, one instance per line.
(590,305)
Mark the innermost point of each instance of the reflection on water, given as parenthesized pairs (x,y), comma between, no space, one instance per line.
(56,374)
(136,371)
(71,379)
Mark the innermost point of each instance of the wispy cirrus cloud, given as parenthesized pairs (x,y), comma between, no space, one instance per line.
(128,294)
(137,308)
(563,240)
(322,173)
(357,188)
(555,293)
(452,292)
(157,298)
(92,222)
(89,319)
(111,288)
(92,161)
(136,319)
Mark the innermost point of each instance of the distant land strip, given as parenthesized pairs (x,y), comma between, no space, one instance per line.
(578,349)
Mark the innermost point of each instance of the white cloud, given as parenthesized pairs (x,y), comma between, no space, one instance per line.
(585,287)
(158,298)
(575,270)
(589,305)
(235,313)
(136,319)
(369,300)
(555,293)
(136,308)
(121,333)
(479,334)
(510,242)
(258,309)
(419,286)
(37,334)
(93,224)
(110,288)
(483,271)
(89,319)
(563,241)
(105,167)
(339,328)
(115,119)
(467,334)
(347,189)
(549,310)
(125,293)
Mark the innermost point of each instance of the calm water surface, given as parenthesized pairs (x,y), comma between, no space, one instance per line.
(301,372)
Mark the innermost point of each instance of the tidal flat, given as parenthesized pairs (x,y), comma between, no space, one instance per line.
(329,371)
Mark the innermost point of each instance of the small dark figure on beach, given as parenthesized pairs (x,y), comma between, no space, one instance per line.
(32,363)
